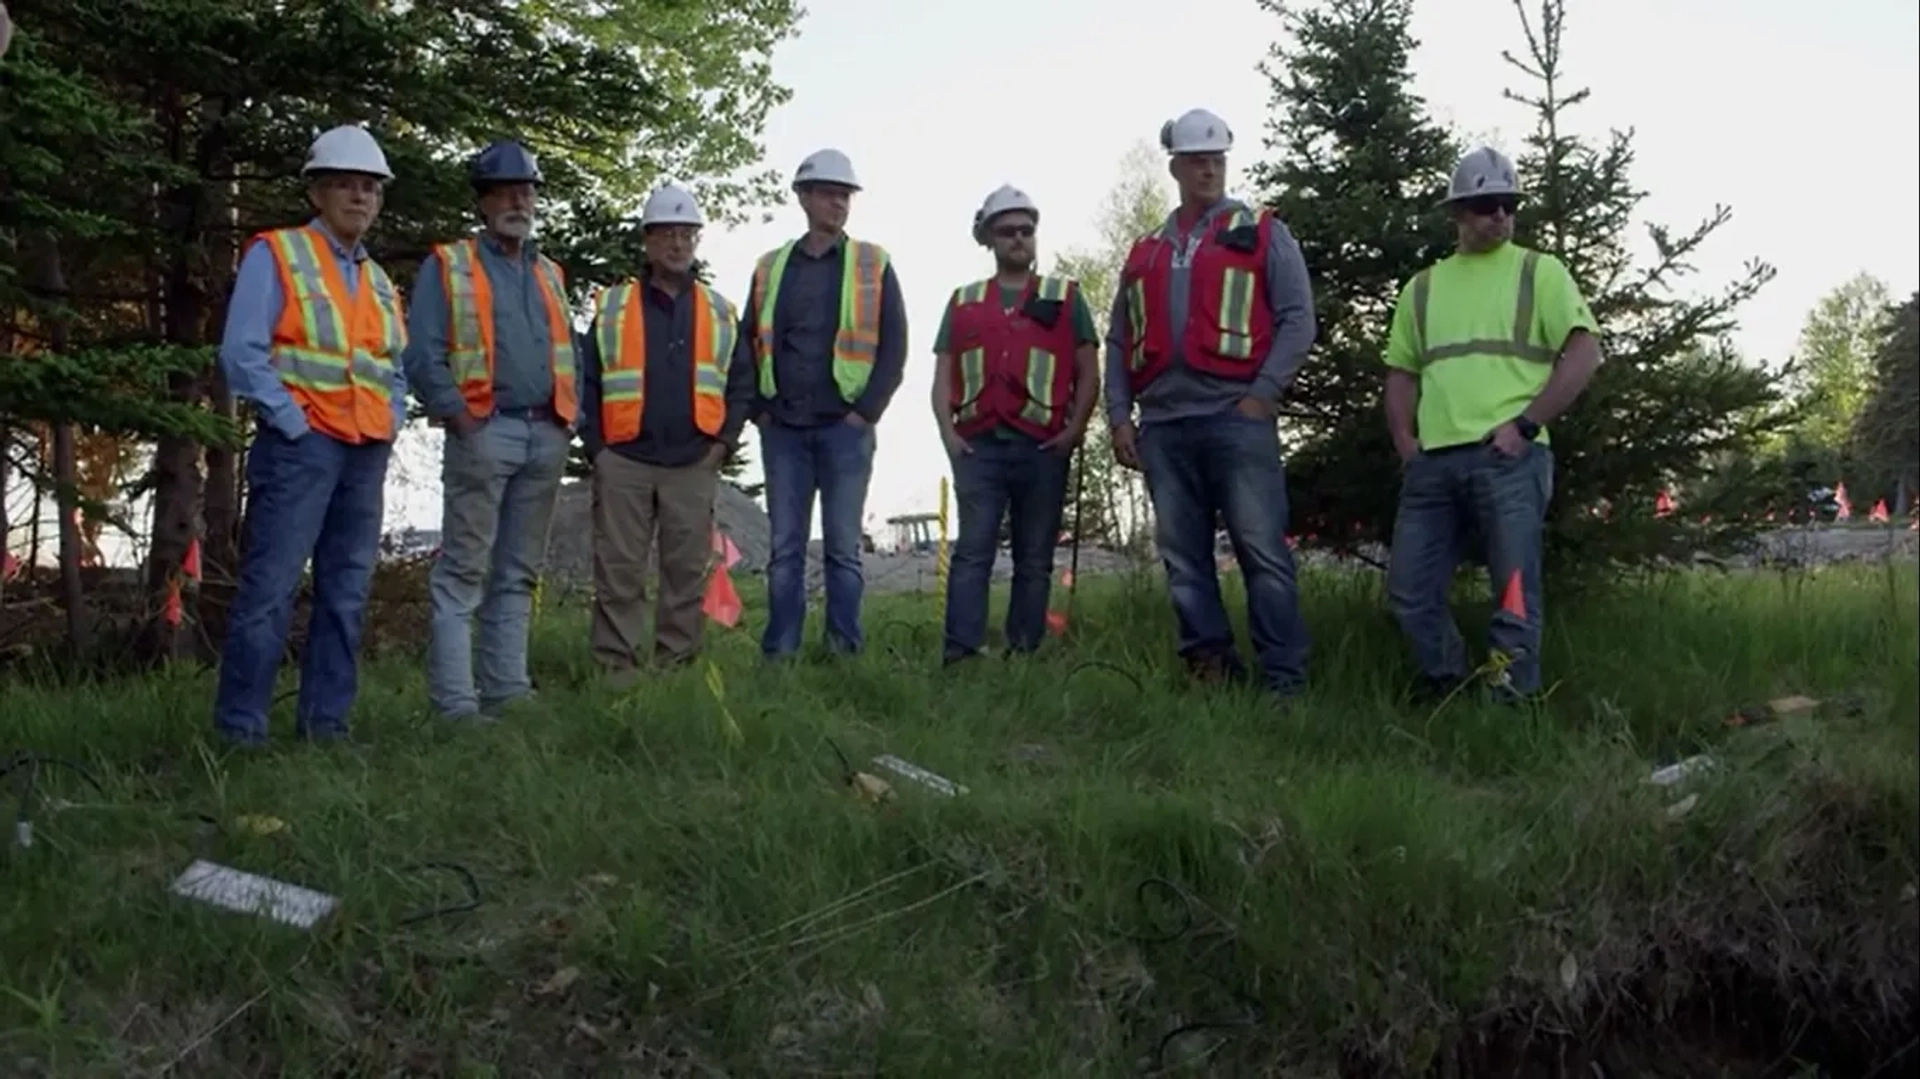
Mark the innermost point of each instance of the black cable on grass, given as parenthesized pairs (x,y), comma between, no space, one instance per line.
(1066,683)
(1253,1014)
(846,764)
(466,906)
(915,630)
(29,764)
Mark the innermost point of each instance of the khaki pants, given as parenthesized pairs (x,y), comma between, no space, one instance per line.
(632,503)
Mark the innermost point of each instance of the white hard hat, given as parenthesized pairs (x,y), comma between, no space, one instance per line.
(347,148)
(1006,198)
(670,205)
(1197,131)
(1485,171)
(825,167)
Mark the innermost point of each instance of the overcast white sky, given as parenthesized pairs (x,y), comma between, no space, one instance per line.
(1805,118)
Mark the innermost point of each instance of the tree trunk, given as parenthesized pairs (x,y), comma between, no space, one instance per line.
(66,465)
(66,478)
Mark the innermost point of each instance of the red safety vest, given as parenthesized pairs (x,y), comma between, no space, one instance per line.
(1229,324)
(1008,366)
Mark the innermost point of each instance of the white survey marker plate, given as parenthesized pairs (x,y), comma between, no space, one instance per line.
(906,770)
(250,893)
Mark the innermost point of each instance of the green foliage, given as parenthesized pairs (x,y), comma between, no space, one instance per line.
(121,389)
(1833,375)
(1886,433)
(1362,167)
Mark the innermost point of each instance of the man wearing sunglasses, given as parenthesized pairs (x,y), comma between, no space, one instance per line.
(1487,347)
(1016,371)
(1211,321)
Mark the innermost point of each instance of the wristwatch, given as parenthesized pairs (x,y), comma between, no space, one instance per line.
(1528,429)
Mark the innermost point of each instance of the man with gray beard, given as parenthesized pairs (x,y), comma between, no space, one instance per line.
(491,357)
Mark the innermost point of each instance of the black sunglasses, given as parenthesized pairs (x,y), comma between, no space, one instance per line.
(1008,232)
(1488,205)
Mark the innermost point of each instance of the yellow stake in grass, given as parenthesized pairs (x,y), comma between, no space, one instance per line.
(940,555)
(729,727)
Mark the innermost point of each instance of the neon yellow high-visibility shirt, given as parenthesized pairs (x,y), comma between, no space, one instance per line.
(1483,331)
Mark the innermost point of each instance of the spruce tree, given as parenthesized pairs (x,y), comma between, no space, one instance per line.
(1357,169)
(1674,406)
(1360,167)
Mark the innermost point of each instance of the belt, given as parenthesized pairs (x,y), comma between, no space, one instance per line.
(530,413)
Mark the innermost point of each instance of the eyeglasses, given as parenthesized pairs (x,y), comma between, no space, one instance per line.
(1488,205)
(1008,232)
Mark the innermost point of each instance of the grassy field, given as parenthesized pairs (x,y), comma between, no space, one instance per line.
(1356,887)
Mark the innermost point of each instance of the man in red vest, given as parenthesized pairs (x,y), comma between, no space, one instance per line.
(491,356)
(664,397)
(1016,373)
(1212,319)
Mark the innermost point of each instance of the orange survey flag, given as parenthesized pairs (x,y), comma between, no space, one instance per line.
(190,565)
(174,612)
(1663,505)
(722,602)
(1514,602)
(1879,514)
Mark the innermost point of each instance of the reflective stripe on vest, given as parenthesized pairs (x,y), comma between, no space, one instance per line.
(470,345)
(1519,346)
(856,339)
(621,333)
(333,349)
(1041,368)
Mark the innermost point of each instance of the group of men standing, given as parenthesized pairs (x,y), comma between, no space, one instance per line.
(1211,322)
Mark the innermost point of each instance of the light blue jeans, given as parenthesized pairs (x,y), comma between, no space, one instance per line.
(500,486)
(1449,500)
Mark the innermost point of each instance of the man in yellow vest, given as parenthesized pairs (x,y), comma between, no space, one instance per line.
(492,359)
(1212,320)
(1015,377)
(313,338)
(663,402)
(826,332)
(1487,347)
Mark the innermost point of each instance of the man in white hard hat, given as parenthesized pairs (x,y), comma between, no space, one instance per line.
(1016,373)
(492,359)
(665,399)
(313,339)
(1211,322)
(1467,405)
(826,331)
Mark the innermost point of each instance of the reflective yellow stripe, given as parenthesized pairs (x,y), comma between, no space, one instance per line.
(710,372)
(974,293)
(466,339)
(563,357)
(325,324)
(973,383)
(1137,325)
(1519,346)
(621,380)
(1236,313)
(767,275)
(1041,366)
(1053,289)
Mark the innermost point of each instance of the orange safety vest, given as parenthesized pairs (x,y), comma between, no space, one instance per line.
(470,336)
(335,351)
(621,333)
(856,341)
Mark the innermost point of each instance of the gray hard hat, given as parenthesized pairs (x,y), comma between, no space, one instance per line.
(1485,171)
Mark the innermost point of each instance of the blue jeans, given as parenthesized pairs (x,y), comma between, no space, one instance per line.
(500,483)
(833,461)
(1003,474)
(1227,466)
(312,497)
(1445,498)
